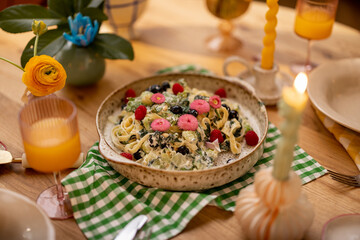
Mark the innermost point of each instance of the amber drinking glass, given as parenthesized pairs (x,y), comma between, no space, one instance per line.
(226,11)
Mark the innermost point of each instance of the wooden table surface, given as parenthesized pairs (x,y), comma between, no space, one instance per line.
(173,32)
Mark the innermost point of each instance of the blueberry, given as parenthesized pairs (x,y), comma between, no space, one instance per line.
(226,106)
(193,112)
(155,88)
(176,109)
(165,86)
(183,150)
(233,114)
(137,155)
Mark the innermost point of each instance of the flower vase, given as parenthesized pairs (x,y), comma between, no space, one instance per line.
(83,65)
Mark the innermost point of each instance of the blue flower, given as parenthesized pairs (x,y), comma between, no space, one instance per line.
(83,32)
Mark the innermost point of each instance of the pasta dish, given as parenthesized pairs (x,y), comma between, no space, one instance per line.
(172,126)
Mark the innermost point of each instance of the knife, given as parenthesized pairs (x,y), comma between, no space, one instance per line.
(130,230)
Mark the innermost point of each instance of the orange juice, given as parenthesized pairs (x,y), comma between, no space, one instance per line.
(51,146)
(314,24)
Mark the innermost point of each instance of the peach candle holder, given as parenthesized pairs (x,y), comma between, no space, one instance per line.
(274,210)
(268,84)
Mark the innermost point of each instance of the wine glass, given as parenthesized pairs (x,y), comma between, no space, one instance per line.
(226,10)
(314,21)
(51,141)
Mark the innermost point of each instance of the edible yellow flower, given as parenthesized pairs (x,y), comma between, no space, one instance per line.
(43,75)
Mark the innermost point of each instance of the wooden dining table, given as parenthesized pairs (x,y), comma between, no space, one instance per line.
(171,33)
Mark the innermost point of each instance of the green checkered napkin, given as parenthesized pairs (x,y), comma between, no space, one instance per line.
(104,201)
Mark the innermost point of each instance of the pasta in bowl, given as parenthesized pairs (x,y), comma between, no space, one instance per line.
(179,132)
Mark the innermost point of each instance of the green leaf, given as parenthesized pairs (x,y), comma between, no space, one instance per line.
(64,8)
(80,5)
(95,3)
(50,43)
(94,14)
(113,47)
(19,18)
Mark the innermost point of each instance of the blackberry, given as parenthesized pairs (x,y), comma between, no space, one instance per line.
(137,155)
(226,106)
(155,88)
(183,150)
(176,109)
(193,112)
(233,114)
(165,86)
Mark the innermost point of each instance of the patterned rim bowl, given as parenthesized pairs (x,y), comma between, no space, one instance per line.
(197,180)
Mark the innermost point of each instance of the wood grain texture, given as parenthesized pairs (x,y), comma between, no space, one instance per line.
(173,32)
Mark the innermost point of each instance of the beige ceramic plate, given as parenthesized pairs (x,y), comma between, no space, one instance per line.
(21,218)
(185,180)
(334,88)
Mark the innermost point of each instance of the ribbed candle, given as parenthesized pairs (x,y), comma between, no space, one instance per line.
(267,56)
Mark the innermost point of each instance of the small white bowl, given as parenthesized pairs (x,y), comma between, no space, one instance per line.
(21,218)
(344,227)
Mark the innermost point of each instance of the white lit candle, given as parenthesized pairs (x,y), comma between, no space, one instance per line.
(291,108)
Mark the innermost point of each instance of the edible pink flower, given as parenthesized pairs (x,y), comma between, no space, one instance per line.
(158,98)
(187,122)
(215,101)
(201,106)
(160,124)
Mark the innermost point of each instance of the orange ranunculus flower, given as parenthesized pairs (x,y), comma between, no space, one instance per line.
(43,75)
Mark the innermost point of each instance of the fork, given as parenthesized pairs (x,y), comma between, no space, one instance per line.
(349,180)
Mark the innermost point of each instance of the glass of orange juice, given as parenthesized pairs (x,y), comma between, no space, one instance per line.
(314,21)
(51,141)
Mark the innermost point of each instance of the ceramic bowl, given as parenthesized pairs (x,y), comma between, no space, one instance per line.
(21,218)
(251,106)
(344,227)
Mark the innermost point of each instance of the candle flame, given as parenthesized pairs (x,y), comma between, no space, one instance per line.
(300,82)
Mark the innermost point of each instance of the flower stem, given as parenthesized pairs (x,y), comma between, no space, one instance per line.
(7,60)
(36,44)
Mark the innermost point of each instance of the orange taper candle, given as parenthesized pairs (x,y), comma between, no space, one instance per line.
(267,56)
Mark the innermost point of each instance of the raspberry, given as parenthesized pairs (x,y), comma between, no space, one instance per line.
(251,138)
(140,112)
(216,134)
(160,124)
(127,155)
(221,93)
(201,106)
(187,122)
(130,93)
(177,88)
(158,98)
(215,101)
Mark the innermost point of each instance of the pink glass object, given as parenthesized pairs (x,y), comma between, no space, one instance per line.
(314,21)
(51,141)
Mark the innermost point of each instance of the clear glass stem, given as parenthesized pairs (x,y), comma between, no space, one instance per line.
(59,189)
(308,66)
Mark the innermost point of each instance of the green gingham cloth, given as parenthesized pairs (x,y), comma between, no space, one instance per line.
(104,201)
